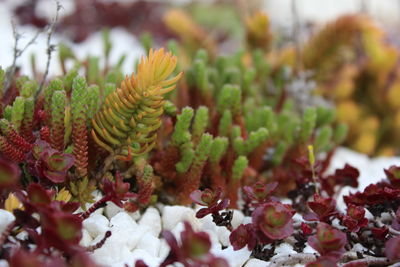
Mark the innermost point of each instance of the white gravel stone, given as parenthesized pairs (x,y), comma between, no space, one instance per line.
(223,236)
(86,238)
(150,244)
(246,220)
(122,220)
(235,258)
(152,218)
(256,263)
(237,218)
(284,249)
(207,223)
(135,215)
(140,254)
(96,225)
(309,249)
(172,215)
(177,231)
(164,249)
(6,218)
(3,263)
(111,209)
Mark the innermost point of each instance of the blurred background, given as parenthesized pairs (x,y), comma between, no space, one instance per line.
(346,50)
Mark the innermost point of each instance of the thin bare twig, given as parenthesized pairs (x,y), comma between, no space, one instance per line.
(16,54)
(50,48)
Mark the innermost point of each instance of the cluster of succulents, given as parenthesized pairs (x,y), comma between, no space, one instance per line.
(192,126)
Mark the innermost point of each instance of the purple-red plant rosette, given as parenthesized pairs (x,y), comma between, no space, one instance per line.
(392,249)
(354,220)
(210,199)
(9,174)
(393,174)
(48,163)
(243,236)
(117,191)
(273,220)
(260,192)
(193,249)
(328,241)
(323,209)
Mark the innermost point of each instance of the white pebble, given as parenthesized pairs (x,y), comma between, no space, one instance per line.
(150,243)
(140,254)
(237,218)
(3,263)
(86,238)
(111,209)
(135,215)
(256,263)
(207,223)
(247,220)
(6,218)
(122,220)
(172,215)
(152,218)
(96,225)
(284,249)
(309,249)
(223,236)
(235,258)
(164,249)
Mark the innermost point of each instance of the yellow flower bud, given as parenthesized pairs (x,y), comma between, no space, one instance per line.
(63,195)
(12,203)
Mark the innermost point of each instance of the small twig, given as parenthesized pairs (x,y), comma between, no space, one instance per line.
(50,48)
(370,260)
(97,205)
(291,259)
(16,54)
(99,244)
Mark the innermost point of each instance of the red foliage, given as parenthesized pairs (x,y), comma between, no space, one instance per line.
(323,209)
(211,199)
(328,241)
(193,250)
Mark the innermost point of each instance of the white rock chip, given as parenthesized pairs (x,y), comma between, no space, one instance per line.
(140,254)
(284,249)
(152,218)
(111,209)
(164,249)
(122,220)
(237,218)
(96,225)
(6,218)
(172,215)
(150,244)
(3,263)
(256,263)
(86,238)
(235,258)
(223,236)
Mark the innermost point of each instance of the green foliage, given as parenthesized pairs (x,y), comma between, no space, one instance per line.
(239,166)
(218,149)
(200,123)
(181,133)
(17,112)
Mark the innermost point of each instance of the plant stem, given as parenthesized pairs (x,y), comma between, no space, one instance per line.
(94,207)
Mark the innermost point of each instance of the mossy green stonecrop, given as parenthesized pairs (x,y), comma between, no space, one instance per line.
(128,121)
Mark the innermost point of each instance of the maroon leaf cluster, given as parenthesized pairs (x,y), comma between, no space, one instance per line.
(193,250)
